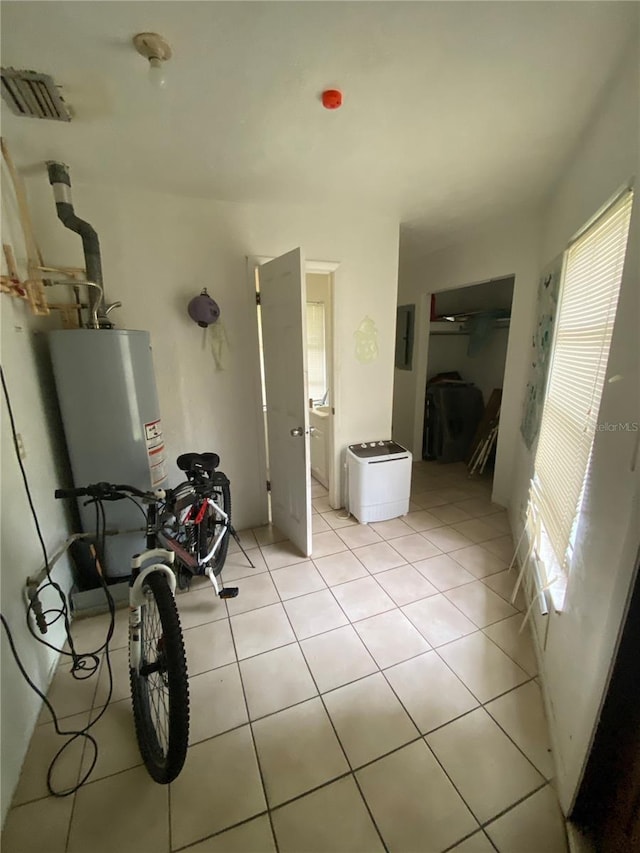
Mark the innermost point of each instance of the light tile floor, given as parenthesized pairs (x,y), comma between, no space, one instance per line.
(378,696)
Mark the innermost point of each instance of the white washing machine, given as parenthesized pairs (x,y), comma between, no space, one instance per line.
(379,475)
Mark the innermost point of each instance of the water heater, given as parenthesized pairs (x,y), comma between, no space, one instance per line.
(109,405)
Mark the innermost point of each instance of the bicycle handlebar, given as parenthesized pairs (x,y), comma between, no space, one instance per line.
(70,493)
(109,491)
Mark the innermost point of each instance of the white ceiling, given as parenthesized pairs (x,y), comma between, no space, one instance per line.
(453,111)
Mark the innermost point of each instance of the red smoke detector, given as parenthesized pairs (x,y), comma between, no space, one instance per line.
(332,99)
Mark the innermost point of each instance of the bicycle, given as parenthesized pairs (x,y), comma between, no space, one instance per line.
(157,660)
(195,522)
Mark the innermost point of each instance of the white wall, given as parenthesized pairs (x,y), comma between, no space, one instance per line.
(25,365)
(581,641)
(495,250)
(158,252)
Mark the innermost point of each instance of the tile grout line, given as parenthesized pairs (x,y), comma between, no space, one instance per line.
(350,772)
(328,715)
(382,572)
(515,805)
(97,672)
(332,690)
(192,844)
(481,705)
(478,629)
(423,738)
(346,775)
(485,835)
(517,746)
(320,695)
(452,847)
(88,784)
(490,591)
(453,784)
(351,622)
(379,669)
(253,738)
(398,606)
(71,814)
(471,634)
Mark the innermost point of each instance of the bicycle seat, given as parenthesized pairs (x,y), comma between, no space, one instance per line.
(198,463)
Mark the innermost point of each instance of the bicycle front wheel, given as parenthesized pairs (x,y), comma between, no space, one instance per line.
(159,689)
(212,525)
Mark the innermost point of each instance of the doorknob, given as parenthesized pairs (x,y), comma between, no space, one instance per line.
(297,431)
(313,430)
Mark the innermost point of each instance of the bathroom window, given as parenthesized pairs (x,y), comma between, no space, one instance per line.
(316,352)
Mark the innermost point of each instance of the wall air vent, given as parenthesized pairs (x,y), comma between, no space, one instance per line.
(31,94)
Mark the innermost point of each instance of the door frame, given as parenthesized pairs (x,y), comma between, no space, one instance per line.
(329,269)
(422,340)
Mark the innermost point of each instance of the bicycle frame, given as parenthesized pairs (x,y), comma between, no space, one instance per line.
(192,516)
(176,548)
(222,514)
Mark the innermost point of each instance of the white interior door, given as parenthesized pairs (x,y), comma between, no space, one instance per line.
(282,307)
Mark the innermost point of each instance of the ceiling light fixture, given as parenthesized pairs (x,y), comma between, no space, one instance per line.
(156,49)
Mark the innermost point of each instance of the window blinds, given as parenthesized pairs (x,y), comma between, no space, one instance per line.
(316,358)
(584,327)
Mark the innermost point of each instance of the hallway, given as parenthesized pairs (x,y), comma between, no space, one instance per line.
(378,696)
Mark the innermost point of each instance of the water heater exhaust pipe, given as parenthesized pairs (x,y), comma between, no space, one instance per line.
(61,183)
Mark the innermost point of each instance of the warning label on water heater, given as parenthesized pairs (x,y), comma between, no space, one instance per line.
(155,451)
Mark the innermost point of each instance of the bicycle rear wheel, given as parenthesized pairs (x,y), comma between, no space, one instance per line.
(212,525)
(160,690)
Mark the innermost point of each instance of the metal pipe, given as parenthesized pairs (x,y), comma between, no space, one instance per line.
(76,293)
(61,183)
(34,581)
(112,306)
(94,304)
